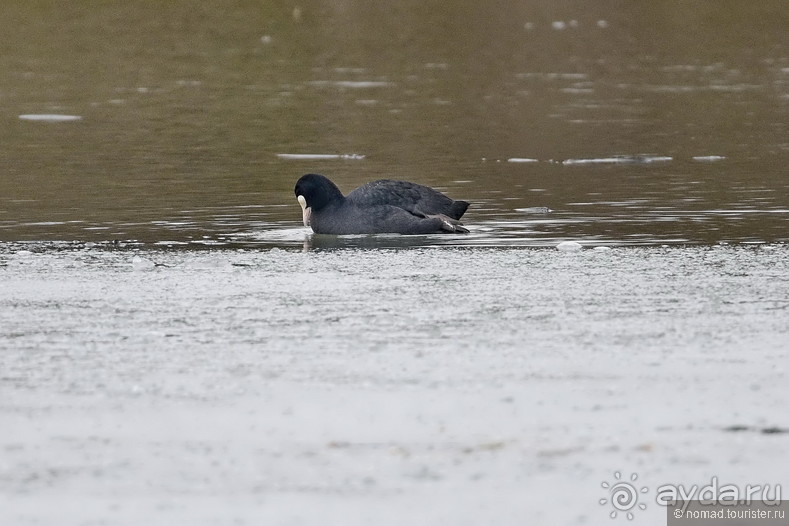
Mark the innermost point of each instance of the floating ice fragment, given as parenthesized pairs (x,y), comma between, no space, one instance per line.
(577,91)
(49,117)
(552,76)
(139,263)
(534,210)
(602,24)
(602,249)
(569,246)
(558,25)
(353,84)
(266,39)
(522,160)
(708,158)
(621,159)
(599,160)
(320,156)
(363,84)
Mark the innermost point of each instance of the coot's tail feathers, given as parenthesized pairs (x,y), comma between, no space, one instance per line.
(449,224)
(457,209)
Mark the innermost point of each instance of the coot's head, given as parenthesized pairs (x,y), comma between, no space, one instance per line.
(315,192)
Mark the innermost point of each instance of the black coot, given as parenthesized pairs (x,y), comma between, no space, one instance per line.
(375,208)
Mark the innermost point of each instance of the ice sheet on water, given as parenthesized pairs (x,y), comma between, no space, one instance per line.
(315,344)
(209,263)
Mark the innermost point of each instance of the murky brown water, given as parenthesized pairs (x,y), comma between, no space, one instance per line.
(656,123)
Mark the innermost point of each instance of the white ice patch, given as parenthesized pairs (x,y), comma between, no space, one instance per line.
(49,117)
(534,210)
(621,159)
(320,156)
(139,263)
(522,160)
(569,246)
(352,84)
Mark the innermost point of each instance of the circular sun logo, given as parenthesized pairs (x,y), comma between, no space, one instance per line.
(623,496)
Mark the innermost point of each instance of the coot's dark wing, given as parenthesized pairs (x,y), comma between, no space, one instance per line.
(414,198)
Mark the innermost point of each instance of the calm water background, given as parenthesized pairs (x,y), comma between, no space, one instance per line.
(186,105)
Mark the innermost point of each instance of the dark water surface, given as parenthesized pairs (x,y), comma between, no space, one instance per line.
(633,123)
